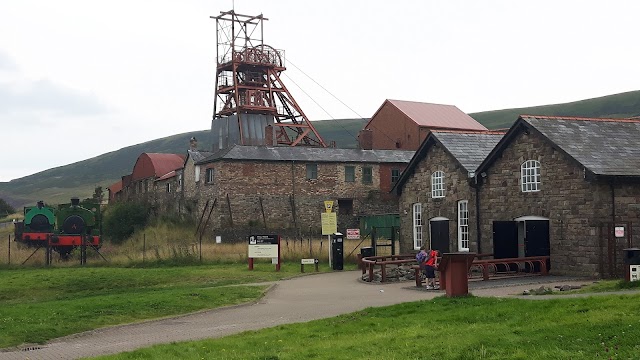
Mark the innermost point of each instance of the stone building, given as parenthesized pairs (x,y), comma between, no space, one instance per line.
(285,187)
(438,193)
(551,186)
(403,125)
(558,186)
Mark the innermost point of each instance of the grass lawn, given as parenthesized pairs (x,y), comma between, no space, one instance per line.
(606,327)
(40,304)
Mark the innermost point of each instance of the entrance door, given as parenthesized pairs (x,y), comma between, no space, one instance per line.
(505,243)
(505,239)
(536,242)
(439,235)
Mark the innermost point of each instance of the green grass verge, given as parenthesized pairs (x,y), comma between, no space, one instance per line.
(465,328)
(40,304)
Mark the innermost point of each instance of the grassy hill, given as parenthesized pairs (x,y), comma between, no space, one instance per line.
(59,184)
(614,106)
(80,178)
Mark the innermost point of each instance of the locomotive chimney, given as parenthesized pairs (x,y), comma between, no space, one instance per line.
(75,201)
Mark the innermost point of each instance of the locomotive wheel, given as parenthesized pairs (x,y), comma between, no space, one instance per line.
(40,223)
(74,224)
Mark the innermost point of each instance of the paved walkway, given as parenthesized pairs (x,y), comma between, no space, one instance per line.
(296,300)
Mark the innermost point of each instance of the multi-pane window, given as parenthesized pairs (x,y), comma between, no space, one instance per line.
(349,173)
(395,175)
(312,171)
(463,225)
(209,174)
(530,176)
(417,226)
(367,175)
(437,184)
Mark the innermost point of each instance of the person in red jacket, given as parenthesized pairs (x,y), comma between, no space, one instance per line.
(430,268)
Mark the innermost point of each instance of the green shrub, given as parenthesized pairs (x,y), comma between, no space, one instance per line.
(122,219)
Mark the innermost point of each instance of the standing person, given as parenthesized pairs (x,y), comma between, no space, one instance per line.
(421,258)
(431,264)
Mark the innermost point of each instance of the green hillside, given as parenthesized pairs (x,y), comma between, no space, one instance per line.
(615,106)
(79,179)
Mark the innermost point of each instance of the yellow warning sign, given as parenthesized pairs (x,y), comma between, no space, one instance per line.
(328,205)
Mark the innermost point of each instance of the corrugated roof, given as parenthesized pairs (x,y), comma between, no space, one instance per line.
(437,116)
(470,149)
(168,175)
(603,146)
(308,154)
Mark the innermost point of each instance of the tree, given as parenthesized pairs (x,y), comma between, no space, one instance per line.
(6,208)
(122,219)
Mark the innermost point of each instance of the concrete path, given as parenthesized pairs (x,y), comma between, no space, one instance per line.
(289,301)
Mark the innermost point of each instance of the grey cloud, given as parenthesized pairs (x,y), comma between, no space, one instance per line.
(43,95)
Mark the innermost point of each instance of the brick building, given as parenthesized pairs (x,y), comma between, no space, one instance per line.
(403,125)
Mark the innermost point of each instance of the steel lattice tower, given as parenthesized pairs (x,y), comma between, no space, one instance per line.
(252,106)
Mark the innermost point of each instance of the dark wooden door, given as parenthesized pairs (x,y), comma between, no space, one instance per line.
(536,241)
(505,239)
(440,236)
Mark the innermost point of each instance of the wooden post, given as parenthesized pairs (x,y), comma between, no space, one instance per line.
(9,253)
(144,247)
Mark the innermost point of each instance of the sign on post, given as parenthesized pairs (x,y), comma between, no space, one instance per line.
(264,246)
(329,223)
(353,234)
(619,231)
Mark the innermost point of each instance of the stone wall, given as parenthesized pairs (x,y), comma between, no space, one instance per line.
(574,206)
(250,194)
(418,189)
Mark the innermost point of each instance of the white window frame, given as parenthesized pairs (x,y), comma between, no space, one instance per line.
(437,184)
(463,225)
(197,173)
(417,226)
(209,176)
(530,176)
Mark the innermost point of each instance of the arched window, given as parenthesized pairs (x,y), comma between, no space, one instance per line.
(530,176)
(437,184)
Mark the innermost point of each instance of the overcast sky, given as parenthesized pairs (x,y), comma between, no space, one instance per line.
(82,78)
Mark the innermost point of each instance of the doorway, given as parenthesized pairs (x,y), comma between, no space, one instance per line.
(439,234)
(523,237)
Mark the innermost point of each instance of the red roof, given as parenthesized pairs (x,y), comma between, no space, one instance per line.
(156,165)
(114,188)
(168,175)
(436,116)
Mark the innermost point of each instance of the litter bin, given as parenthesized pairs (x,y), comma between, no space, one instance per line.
(632,264)
(367,251)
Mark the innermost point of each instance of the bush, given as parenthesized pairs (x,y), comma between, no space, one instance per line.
(122,219)
(5,208)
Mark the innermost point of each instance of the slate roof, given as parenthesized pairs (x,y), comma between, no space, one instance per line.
(470,149)
(436,116)
(603,146)
(467,148)
(307,154)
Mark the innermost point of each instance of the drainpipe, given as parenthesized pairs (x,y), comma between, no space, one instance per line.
(613,201)
(478,234)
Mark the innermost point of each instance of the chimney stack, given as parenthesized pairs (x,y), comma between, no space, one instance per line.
(365,139)
(193,144)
